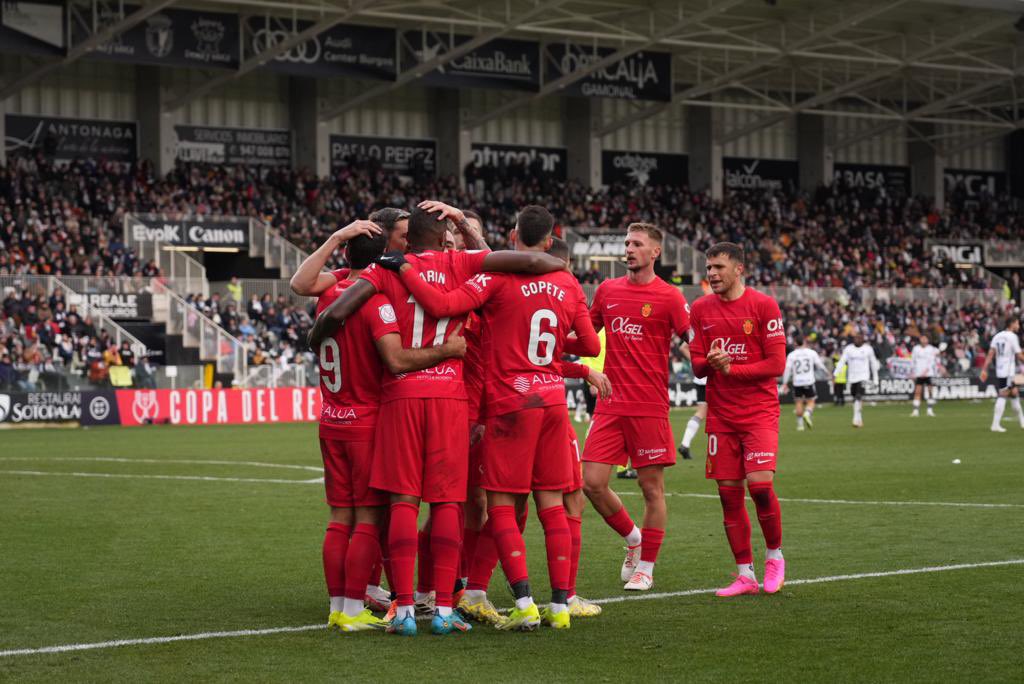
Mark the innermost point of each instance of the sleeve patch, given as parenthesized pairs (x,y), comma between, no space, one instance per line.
(387,313)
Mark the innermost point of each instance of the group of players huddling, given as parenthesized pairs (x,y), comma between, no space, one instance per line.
(442,377)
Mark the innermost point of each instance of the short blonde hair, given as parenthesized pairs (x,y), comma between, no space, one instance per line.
(652,230)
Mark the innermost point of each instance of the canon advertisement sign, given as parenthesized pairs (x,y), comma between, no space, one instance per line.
(193,232)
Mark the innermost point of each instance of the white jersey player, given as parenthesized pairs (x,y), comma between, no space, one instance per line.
(800,366)
(924,358)
(862,365)
(1005,349)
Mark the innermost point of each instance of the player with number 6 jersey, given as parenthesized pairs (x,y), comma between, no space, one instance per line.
(739,345)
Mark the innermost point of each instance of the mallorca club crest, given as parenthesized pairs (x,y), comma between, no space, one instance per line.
(159,35)
(646,310)
(748,327)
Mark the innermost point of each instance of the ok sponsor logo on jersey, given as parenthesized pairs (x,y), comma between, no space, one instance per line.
(624,326)
(776,328)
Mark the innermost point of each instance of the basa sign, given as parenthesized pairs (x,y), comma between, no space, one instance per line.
(893,179)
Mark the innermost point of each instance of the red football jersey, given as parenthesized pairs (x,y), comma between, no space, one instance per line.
(350,368)
(639,321)
(473,366)
(751,331)
(446,271)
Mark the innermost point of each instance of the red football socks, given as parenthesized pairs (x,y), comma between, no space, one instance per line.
(769,513)
(469,537)
(445,533)
(402,547)
(737,523)
(376,570)
(620,522)
(576,537)
(509,541)
(558,542)
(484,560)
(363,554)
(425,563)
(650,544)
(335,548)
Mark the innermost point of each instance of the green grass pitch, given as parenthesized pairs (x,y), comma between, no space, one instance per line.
(232,545)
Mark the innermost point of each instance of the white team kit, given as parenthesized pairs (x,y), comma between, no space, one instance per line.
(1007,346)
(925,360)
(800,366)
(862,365)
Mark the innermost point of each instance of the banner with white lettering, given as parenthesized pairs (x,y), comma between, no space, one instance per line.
(502,63)
(67,139)
(548,160)
(974,183)
(641,76)
(644,168)
(92,407)
(742,173)
(958,252)
(246,146)
(32,28)
(172,37)
(118,306)
(342,50)
(895,180)
(219,406)
(191,232)
(600,245)
(400,155)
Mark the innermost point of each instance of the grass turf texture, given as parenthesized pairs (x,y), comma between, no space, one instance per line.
(87,560)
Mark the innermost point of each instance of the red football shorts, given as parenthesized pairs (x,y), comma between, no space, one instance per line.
(642,440)
(347,468)
(422,449)
(577,463)
(731,455)
(527,450)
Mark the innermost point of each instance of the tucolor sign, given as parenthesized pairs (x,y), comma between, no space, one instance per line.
(644,168)
(68,139)
(244,146)
(552,160)
(400,155)
(641,76)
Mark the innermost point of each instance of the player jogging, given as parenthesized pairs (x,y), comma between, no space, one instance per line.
(739,345)
(699,416)
(640,313)
(800,365)
(925,360)
(350,374)
(422,438)
(525,323)
(861,364)
(1005,349)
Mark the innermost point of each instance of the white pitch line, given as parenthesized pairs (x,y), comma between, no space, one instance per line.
(197,478)
(67,648)
(112,459)
(851,502)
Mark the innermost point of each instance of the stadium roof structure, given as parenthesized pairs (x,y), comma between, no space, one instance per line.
(908,62)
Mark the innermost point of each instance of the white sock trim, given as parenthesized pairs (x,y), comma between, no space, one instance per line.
(633,538)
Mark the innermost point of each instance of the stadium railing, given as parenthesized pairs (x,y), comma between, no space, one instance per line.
(276,250)
(273,375)
(45,286)
(274,287)
(177,268)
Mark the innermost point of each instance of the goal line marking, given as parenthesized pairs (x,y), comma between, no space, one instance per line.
(68,648)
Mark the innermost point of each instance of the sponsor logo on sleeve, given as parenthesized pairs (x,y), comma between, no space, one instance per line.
(387,313)
(776,328)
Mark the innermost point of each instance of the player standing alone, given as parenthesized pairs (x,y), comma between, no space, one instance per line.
(925,359)
(640,313)
(861,364)
(1005,349)
(800,365)
(739,345)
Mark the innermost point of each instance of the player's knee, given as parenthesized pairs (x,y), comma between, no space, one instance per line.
(342,516)
(594,487)
(653,488)
(574,503)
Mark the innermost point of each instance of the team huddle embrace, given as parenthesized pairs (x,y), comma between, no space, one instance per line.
(442,374)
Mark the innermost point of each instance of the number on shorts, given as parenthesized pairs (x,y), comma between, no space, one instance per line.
(417,326)
(712,445)
(330,368)
(537,337)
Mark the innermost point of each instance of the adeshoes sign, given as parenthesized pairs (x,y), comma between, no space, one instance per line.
(64,139)
(892,179)
(644,168)
(641,76)
(743,173)
(974,183)
(958,253)
(173,37)
(219,406)
(342,50)
(502,63)
(550,160)
(399,155)
(191,232)
(87,408)
(245,146)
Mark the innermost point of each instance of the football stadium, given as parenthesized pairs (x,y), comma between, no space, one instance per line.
(518,340)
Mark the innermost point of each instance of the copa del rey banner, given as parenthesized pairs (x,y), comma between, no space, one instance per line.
(219,406)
